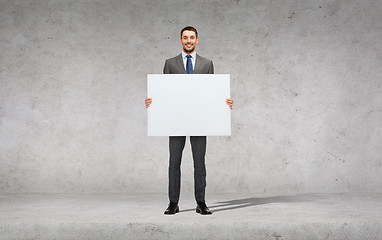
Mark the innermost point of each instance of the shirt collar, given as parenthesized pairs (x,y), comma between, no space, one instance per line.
(193,55)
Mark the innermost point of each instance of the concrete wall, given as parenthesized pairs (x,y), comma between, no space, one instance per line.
(305,77)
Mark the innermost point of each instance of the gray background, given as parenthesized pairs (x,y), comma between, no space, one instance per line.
(305,77)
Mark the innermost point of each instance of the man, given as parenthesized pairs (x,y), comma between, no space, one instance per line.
(188,62)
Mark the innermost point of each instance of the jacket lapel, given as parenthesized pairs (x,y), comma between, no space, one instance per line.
(179,61)
(197,64)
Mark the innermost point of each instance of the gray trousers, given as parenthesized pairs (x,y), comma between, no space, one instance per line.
(198,145)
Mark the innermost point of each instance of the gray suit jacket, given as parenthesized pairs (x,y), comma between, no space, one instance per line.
(175,65)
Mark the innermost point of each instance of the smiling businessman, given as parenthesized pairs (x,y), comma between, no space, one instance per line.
(188,62)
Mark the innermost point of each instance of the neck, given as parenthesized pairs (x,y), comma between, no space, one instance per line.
(188,53)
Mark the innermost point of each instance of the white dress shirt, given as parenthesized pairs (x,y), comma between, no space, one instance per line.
(193,57)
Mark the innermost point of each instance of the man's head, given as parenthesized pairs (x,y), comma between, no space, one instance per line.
(189,39)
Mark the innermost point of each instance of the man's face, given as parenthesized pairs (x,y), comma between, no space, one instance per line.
(189,41)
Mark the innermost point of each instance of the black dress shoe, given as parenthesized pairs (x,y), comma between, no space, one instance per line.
(172,208)
(202,208)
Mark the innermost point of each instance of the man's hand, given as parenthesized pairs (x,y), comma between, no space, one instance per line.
(229,102)
(148,101)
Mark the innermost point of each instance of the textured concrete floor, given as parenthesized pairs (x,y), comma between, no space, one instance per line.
(236,216)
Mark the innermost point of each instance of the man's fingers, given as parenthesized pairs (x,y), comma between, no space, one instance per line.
(148,101)
(229,103)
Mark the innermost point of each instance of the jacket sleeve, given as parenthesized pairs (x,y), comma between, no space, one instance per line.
(165,69)
(211,68)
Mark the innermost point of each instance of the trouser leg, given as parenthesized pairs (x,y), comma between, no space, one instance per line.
(198,144)
(176,145)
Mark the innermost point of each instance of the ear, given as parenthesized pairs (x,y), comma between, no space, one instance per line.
(197,39)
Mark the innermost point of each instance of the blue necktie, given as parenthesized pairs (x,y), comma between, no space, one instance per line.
(189,69)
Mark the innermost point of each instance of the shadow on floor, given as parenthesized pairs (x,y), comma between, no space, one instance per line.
(248,202)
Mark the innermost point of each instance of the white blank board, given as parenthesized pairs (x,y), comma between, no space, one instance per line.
(188,105)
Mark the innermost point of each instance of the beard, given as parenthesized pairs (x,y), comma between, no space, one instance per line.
(189,51)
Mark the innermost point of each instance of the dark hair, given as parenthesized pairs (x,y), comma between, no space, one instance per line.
(189,28)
